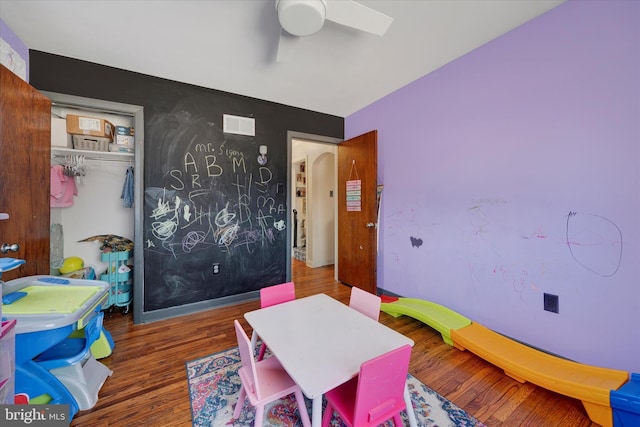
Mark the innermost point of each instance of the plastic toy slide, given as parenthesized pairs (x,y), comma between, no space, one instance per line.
(439,317)
(594,386)
(589,384)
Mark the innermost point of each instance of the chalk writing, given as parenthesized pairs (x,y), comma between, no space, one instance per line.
(209,202)
(242,222)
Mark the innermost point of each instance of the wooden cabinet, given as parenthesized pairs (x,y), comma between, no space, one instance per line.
(25,153)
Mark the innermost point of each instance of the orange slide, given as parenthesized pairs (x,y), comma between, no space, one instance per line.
(590,384)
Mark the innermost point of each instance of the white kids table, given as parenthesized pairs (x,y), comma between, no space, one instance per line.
(321,343)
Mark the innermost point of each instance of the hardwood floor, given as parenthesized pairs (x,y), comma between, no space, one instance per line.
(149,385)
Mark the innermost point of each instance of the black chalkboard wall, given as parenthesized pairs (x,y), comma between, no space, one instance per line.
(215,217)
(208,204)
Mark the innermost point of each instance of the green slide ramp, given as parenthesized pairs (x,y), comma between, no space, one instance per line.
(439,317)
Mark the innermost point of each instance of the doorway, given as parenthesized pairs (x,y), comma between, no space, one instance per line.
(312,213)
(362,224)
(313,177)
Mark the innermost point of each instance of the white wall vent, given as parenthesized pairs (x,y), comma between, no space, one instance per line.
(238,125)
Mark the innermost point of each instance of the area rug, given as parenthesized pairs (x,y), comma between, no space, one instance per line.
(214,386)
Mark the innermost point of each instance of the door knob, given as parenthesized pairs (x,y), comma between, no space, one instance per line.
(370,225)
(7,247)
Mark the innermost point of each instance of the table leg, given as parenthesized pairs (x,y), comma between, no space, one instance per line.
(254,340)
(316,412)
(410,413)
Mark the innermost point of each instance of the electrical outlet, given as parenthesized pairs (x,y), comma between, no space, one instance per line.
(215,268)
(551,303)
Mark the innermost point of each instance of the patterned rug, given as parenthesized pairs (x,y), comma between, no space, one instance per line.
(214,386)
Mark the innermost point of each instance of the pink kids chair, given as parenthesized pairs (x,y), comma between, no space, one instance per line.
(272,295)
(365,302)
(263,382)
(376,395)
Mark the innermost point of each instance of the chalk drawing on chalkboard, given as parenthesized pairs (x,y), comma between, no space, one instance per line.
(594,242)
(207,201)
(165,226)
(174,284)
(192,239)
(226,227)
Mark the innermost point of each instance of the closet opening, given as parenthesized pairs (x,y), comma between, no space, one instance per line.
(105,212)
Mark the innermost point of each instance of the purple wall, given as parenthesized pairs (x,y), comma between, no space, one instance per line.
(517,166)
(21,49)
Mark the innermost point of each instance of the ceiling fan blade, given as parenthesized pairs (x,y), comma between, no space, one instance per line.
(358,16)
(286,46)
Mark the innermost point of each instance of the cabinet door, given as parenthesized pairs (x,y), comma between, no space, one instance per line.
(25,159)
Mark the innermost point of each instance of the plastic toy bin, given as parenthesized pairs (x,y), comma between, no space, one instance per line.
(625,403)
(120,294)
(7,362)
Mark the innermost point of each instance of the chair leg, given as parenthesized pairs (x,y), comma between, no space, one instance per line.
(259,416)
(397,421)
(263,348)
(302,409)
(238,409)
(328,413)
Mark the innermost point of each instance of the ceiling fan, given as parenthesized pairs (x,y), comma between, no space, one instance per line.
(301,18)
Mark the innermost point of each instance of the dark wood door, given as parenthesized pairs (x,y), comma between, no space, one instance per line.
(25,159)
(357,211)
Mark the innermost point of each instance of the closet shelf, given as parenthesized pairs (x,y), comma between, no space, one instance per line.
(90,154)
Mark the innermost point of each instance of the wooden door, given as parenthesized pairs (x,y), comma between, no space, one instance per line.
(357,213)
(25,161)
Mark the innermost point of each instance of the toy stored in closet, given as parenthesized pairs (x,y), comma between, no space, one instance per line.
(118,276)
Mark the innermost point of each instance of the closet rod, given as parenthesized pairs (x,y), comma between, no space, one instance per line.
(98,158)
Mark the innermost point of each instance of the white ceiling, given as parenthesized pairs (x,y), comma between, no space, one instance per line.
(231,45)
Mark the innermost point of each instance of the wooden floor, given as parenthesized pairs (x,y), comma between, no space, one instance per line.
(149,385)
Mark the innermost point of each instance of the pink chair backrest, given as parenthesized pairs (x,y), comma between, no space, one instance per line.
(246,356)
(277,294)
(365,302)
(381,385)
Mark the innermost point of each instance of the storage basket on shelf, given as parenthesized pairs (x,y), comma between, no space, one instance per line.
(121,292)
(90,143)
